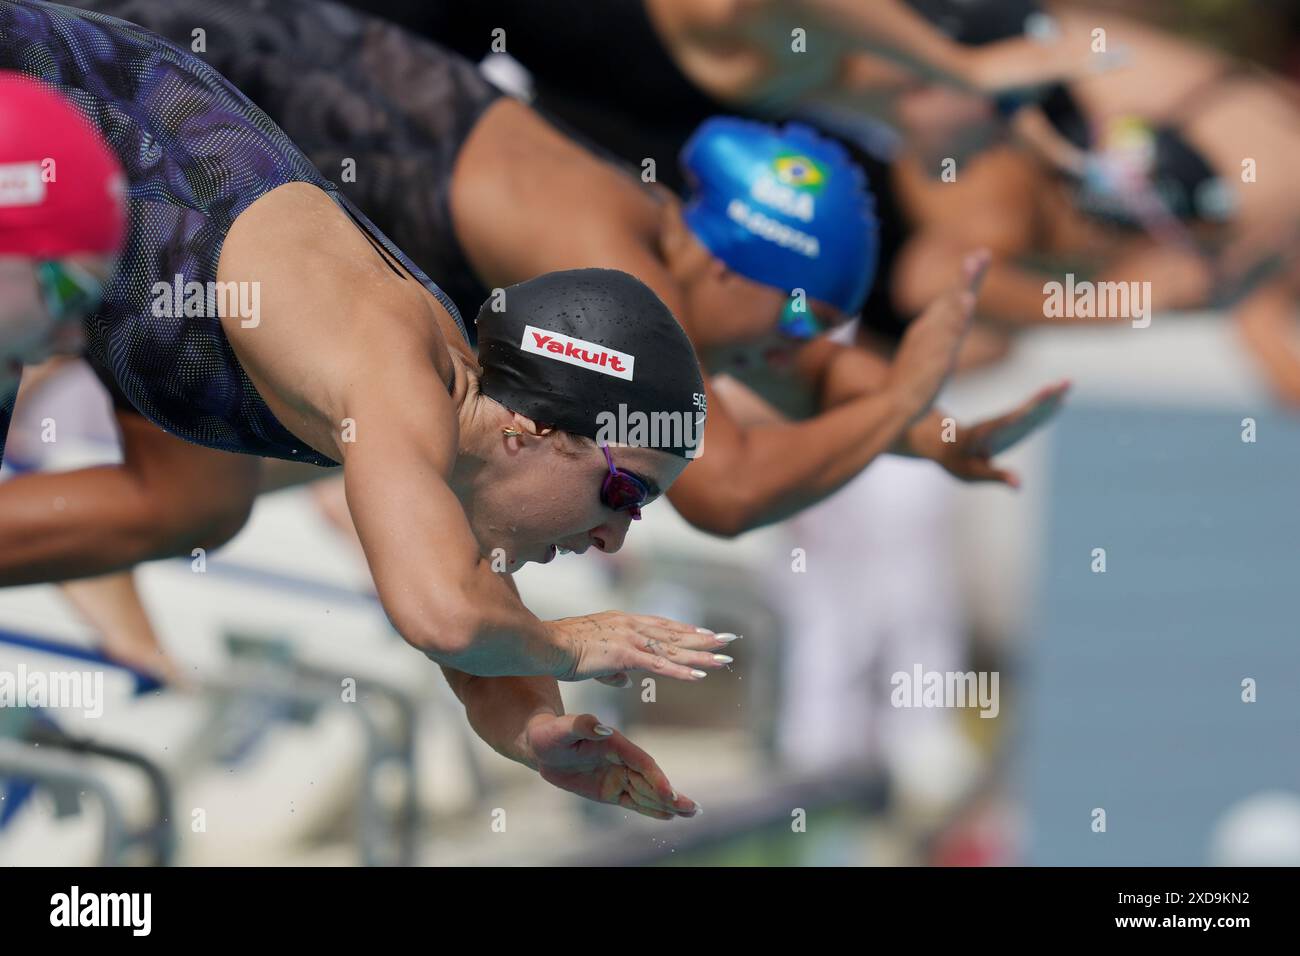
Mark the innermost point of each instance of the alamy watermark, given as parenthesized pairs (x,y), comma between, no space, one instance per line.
(1082,299)
(679,429)
(180,299)
(133,911)
(53,690)
(922,688)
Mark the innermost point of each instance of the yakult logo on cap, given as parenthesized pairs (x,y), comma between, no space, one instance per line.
(21,184)
(565,348)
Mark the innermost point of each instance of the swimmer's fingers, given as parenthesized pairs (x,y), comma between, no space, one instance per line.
(610,644)
(682,651)
(575,752)
(982,470)
(643,792)
(645,776)
(975,267)
(675,640)
(993,437)
(673,645)
(683,635)
(644,798)
(628,803)
(662,646)
(640,764)
(658,666)
(645,781)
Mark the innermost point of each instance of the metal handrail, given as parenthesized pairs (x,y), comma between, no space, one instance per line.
(53,770)
(308,686)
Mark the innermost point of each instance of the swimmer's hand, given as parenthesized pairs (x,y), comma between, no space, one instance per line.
(928,353)
(970,457)
(578,754)
(611,644)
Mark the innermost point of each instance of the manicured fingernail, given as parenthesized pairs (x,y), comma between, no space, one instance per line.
(723,659)
(697,811)
(674,794)
(702,630)
(604,731)
(728,638)
(698,674)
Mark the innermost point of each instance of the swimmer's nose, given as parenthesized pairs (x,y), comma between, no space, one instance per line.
(609,537)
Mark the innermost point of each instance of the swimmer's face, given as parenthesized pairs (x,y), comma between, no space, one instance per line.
(35,323)
(732,310)
(543,496)
(937,117)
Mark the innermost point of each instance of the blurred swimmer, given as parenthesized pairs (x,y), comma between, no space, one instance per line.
(61,222)
(1145,177)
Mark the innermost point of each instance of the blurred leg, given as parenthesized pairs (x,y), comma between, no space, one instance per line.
(112,606)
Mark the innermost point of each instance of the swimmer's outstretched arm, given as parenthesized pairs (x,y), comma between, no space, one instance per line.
(748,477)
(1175,279)
(842,373)
(1014,296)
(894,30)
(523,719)
(442,596)
(166,498)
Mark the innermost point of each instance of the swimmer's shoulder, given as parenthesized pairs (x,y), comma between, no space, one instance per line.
(304,247)
(282,228)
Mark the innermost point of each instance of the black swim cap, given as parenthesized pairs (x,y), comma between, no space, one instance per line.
(593,352)
(1066,115)
(1190,187)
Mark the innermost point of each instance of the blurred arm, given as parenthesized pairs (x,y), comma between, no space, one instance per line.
(748,477)
(895,30)
(166,498)
(1014,296)
(1270,328)
(842,374)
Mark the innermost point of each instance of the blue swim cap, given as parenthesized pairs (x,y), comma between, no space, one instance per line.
(784,207)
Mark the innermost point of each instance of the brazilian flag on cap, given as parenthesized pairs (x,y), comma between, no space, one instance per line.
(801,172)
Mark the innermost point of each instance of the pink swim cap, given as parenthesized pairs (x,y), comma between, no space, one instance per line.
(62,191)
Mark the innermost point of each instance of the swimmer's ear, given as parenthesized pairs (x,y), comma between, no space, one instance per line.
(675,237)
(719,271)
(526,425)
